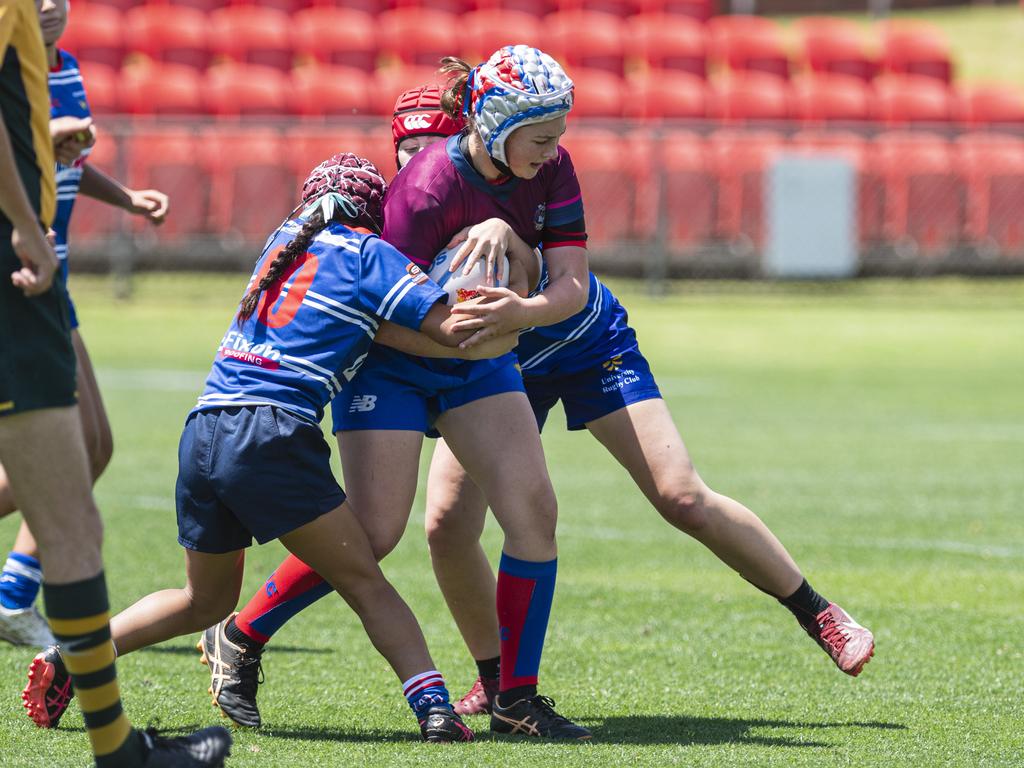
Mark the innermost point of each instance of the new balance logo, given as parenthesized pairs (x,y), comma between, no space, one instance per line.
(363,403)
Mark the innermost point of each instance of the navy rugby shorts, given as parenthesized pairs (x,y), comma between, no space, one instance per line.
(250,472)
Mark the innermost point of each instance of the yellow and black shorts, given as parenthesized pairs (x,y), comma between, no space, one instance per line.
(37,361)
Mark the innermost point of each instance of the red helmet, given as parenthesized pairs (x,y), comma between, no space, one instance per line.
(418,113)
(354,178)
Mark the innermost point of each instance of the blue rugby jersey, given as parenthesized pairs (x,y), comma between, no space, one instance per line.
(310,334)
(67,99)
(568,346)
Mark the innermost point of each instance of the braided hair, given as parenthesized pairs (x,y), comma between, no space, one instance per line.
(344,188)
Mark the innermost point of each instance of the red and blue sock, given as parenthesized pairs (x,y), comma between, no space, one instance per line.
(291,588)
(525,592)
(425,691)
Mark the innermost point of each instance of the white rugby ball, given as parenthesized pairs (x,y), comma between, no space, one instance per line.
(458,286)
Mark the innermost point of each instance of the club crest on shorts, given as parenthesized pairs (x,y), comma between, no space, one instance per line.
(612,365)
(539,216)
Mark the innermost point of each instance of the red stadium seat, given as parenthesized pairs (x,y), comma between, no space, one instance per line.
(308,147)
(201,5)
(250,35)
(170,161)
(902,99)
(620,8)
(169,34)
(721,27)
(856,149)
(390,83)
(597,93)
(119,5)
(691,188)
(753,96)
(608,181)
(318,31)
(240,89)
(917,49)
(161,89)
(923,192)
(663,41)
(584,39)
(484,32)
(285,6)
(372,7)
(824,98)
(253,185)
(448,6)
(753,49)
(739,160)
(837,46)
(993,166)
(699,10)
(91,219)
(335,91)
(100,88)
(95,34)
(989,104)
(418,36)
(537,8)
(667,93)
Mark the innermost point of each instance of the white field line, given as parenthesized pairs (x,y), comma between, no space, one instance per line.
(154,379)
(658,536)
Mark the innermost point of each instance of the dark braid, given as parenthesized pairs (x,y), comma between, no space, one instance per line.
(295,248)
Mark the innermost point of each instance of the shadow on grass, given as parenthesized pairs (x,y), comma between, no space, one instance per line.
(640,729)
(665,729)
(190,650)
(310,733)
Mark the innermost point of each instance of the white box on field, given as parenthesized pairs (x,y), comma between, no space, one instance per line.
(811,209)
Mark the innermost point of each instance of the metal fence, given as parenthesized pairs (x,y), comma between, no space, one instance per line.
(662,199)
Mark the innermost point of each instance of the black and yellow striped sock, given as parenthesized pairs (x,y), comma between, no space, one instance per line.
(80,618)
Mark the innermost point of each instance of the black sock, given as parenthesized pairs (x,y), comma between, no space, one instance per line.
(512,695)
(489,669)
(238,637)
(805,604)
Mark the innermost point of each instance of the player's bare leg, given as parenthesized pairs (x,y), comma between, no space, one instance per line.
(507,462)
(99,439)
(381,469)
(59,508)
(20,621)
(644,439)
(455,516)
(212,586)
(337,548)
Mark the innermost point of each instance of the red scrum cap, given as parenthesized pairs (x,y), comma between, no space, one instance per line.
(418,113)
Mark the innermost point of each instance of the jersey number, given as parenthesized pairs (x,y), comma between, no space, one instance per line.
(268,311)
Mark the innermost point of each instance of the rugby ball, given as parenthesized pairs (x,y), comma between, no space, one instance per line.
(458,286)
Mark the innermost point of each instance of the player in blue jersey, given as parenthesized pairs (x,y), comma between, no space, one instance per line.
(253,462)
(20,622)
(592,363)
(525,184)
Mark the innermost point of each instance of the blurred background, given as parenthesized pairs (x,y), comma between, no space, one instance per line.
(788,138)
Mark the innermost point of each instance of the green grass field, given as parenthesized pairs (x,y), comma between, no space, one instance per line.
(878,428)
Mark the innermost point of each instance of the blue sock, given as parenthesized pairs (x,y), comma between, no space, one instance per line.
(20,581)
(425,691)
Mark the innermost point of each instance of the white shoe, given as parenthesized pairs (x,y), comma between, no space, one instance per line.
(25,626)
